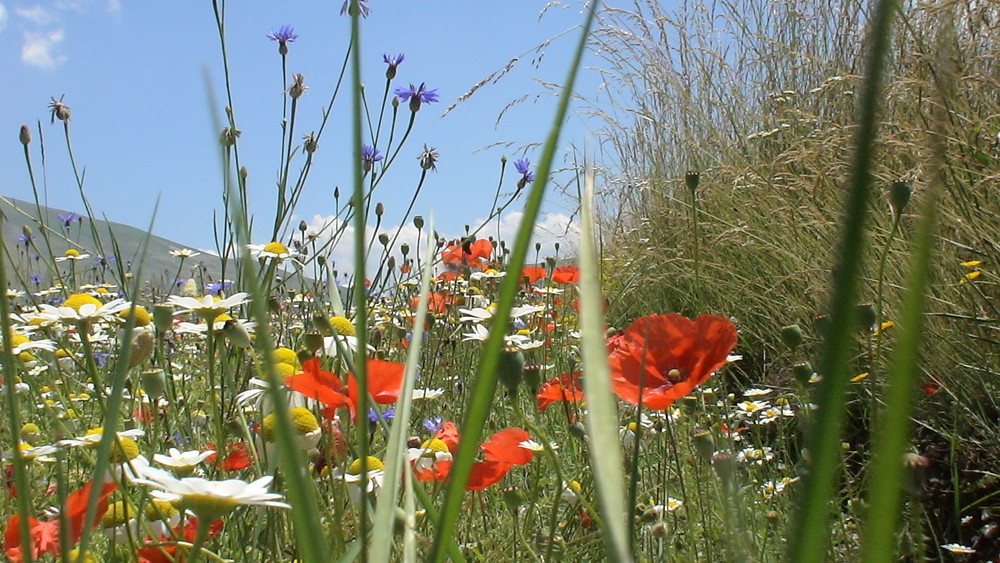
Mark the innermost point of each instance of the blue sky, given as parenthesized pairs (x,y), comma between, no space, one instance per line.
(133,74)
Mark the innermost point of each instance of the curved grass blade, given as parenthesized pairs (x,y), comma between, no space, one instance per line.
(395,456)
(602,419)
(879,540)
(481,396)
(810,535)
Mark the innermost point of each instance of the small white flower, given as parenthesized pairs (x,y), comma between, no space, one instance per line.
(88,312)
(184,253)
(212,499)
(757,392)
(958,548)
(426,394)
(182,460)
(207,307)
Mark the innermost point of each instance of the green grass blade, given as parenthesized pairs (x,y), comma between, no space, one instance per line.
(811,529)
(395,456)
(481,395)
(602,419)
(892,438)
(13,414)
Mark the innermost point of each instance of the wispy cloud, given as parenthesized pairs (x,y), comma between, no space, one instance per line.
(41,49)
(3,17)
(37,15)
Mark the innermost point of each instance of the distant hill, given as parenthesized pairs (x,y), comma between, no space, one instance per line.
(67,230)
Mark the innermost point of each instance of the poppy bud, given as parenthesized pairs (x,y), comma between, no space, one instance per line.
(418,222)
(244,172)
(866,316)
(236,334)
(791,336)
(25,135)
(154,382)
(803,372)
(163,317)
(313,341)
(404,249)
(899,196)
(578,430)
(513,498)
(556,245)
(533,378)
(692,179)
(322,324)
(704,445)
(510,369)
(503,159)
(304,355)
(391,263)
(383,238)
(724,463)
(660,530)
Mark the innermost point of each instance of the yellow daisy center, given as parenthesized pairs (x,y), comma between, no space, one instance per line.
(72,253)
(78,300)
(276,248)
(434,445)
(118,513)
(342,326)
(374,464)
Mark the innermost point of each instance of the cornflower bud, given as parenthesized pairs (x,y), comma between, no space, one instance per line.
(25,135)
(298,86)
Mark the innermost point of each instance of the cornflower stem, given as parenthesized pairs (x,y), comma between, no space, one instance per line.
(83,197)
(360,297)
(83,329)
(283,207)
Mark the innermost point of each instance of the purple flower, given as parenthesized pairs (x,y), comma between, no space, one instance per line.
(369,156)
(374,415)
(393,63)
(362,5)
(68,219)
(218,286)
(36,278)
(25,238)
(434,424)
(101,358)
(284,35)
(416,96)
(523,167)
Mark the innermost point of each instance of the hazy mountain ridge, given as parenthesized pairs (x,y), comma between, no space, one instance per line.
(158,266)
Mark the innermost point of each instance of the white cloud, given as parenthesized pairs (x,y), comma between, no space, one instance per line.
(36,15)
(3,17)
(42,49)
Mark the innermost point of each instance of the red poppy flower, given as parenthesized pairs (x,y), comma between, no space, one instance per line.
(168,553)
(566,274)
(533,273)
(449,435)
(45,535)
(470,253)
(237,459)
(502,452)
(384,382)
(447,275)
(566,387)
(666,356)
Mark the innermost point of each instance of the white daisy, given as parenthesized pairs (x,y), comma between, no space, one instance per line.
(212,499)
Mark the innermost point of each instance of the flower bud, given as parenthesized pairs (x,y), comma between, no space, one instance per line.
(866,316)
(899,196)
(142,346)
(418,222)
(298,86)
(383,238)
(533,378)
(154,382)
(236,334)
(309,143)
(724,463)
(379,209)
(692,179)
(704,445)
(803,372)
(25,135)
(791,336)
(510,369)
(163,317)
(404,249)
(578,430)
(513,498)
(229,136)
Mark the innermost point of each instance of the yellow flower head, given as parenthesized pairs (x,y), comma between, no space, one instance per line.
(434,445)
(284,370)
(124,451)
(72,253)
(117,514)
(342,326)
(160,510)
(275,248)
(285,355)
(374,464)
(78,300)
(142,316)
(303,420)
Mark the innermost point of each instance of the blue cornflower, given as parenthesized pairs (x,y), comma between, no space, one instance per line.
(25,238)
(393,63)
(101,358)
(362,5)
(374,415)
(36,278)
(283,36)
(416,96)
(369,156)
(433,424)
(218,286)
(68,219)
(523,168)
